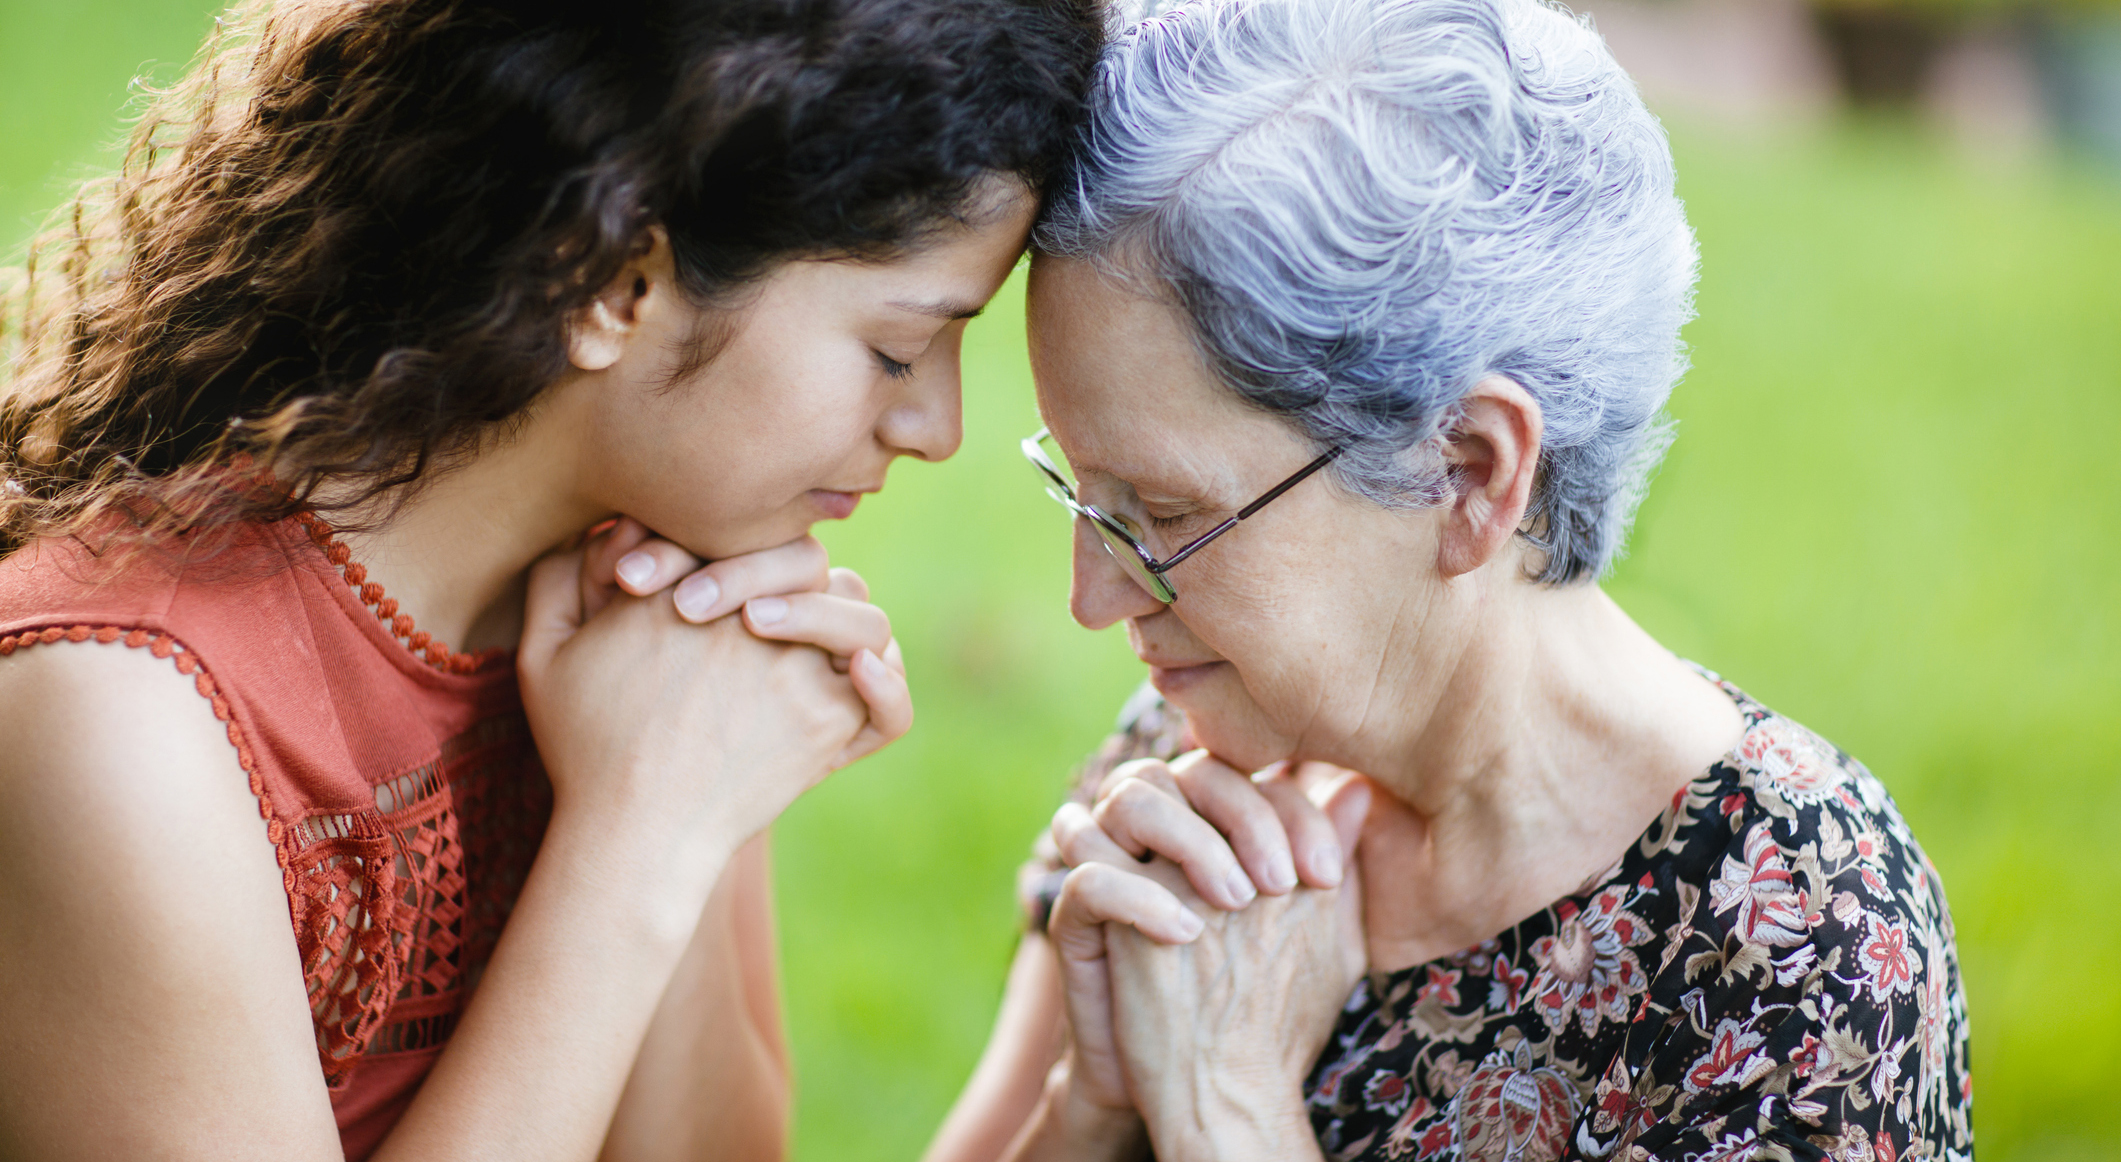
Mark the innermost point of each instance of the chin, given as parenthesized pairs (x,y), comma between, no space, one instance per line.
(722,541)
(1223,719)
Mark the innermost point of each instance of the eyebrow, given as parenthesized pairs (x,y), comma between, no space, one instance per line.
(946,309)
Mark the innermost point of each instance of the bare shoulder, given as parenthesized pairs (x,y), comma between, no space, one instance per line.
(103,724)
(148,969)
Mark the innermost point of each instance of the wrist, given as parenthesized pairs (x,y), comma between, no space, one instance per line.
(657,877)
(1069,1127)
(1223,1124)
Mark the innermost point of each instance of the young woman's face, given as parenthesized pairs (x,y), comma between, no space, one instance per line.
(829,371)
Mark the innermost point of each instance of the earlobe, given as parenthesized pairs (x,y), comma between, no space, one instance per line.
(597,338)
(1493,456)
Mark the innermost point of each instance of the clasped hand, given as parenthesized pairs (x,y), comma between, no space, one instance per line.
(1208,934)
(669,724)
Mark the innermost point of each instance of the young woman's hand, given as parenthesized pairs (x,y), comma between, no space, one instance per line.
(787,593)
(673,741)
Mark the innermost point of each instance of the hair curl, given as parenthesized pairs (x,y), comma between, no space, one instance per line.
(348,242)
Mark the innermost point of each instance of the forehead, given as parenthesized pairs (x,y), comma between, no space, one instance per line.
(1120,380)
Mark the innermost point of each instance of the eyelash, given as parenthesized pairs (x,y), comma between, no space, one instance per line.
(1170,522)
(892,367)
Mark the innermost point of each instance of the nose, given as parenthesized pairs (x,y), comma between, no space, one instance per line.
(927,420)
(1101,593)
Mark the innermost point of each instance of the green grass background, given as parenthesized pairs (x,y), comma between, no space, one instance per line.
(1892,512)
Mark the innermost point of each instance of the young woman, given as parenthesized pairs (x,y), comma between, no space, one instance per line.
(394,302)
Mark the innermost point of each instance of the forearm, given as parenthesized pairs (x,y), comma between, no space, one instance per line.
(1206,1117)
(712,1079)
(1063,1127)
(1006,1086)
(536,1067)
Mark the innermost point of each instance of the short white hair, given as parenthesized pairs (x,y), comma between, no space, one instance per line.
(1367,206)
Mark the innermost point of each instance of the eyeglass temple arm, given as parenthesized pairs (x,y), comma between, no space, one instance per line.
(1246,511)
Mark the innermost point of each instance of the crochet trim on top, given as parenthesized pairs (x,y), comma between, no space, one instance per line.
(401,626)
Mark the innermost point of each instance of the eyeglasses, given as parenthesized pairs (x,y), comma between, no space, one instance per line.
(1120,539)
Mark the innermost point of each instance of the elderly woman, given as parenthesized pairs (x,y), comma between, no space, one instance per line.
(1353,330)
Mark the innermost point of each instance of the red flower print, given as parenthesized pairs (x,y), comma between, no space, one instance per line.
(1733,1148)
(1586,972)
(1886,1152)
(1809,1055)
(1511,1110)
(1443,984)
(1730,1059)
(1935,1030)
(1400,1141)
(1508,987)
(1387,1091)
(1884,956)
(1435,1141)
(1771,909)
(1792,762)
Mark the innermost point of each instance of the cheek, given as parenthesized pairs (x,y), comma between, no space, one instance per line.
(1251,709)
(723,463)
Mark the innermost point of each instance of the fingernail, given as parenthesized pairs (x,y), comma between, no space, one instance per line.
(1281,873)
(1240,886)
(637,569)
(1328,861)
(1189,924)
(870,664)
(766,610)
(696,595)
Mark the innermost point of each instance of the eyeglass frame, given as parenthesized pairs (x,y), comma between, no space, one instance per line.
(1060,490)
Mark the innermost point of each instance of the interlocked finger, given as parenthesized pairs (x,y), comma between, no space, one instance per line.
(1235,806)
(800,566)
(838,625)
(1320,859)
(1154,771)
(847,583)
(1079,839)
(1099,893)
(1144,818)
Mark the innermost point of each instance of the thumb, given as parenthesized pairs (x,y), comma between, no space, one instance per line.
(1347,805)
(552,609)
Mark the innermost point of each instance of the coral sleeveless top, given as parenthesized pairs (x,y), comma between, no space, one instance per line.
(397,780)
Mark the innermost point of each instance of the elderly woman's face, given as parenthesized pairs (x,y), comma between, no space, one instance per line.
(1291,629)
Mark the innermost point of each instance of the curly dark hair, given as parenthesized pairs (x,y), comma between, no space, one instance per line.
(349,241)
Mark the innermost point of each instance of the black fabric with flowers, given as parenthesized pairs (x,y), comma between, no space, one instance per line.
(1768,973)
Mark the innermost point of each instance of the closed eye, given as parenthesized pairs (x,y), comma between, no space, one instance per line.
(892,367)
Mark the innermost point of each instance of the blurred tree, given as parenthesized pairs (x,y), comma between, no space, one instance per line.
(1883,52)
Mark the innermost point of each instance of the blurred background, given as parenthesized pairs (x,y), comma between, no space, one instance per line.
(1892,512)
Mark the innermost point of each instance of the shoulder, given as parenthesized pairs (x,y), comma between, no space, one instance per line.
(152,973)
(114,757)
(1802,840)
(1812,986)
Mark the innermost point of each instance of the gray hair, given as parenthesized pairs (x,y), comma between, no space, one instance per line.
(1367,206)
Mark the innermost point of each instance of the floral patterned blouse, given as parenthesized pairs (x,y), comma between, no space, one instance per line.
(1767,973)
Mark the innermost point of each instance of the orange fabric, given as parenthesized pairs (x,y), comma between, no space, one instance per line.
(401,792)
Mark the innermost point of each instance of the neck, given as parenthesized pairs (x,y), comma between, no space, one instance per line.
(456,553)
(1558,735)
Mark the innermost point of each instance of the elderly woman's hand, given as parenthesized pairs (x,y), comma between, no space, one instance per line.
(1217,837)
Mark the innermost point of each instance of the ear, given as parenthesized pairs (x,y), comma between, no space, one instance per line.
(1493,455)
(599,334)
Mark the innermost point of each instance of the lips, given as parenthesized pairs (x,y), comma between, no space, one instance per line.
(1171,681)
(835,505)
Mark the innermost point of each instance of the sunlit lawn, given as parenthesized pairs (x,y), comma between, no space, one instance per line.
(1892,512)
